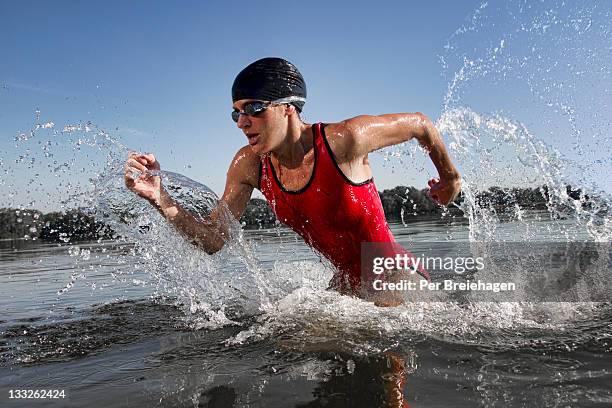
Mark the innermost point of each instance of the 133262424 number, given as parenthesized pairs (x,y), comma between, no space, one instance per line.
(36,394)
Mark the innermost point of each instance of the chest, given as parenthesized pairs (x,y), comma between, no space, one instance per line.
(295,178)
(326,203)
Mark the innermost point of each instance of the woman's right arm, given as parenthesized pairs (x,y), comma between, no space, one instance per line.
(209,233)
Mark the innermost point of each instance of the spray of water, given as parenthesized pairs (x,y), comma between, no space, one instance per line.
(81,167)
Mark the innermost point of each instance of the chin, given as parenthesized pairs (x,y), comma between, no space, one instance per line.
(257,149)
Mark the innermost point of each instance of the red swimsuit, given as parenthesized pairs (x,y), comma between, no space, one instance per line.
(332,214)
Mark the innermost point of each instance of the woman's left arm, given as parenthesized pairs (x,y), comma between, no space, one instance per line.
(364,134)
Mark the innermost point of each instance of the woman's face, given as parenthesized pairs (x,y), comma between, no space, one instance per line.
(265,131)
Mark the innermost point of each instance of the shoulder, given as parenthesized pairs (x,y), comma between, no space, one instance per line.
(244,168)
(347,137)
(356,137)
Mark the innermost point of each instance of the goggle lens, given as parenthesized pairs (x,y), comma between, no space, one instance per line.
(250,109)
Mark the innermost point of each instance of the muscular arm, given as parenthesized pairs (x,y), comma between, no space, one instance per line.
(209,233)
(364,134)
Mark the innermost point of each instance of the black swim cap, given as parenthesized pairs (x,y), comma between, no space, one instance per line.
(269,79)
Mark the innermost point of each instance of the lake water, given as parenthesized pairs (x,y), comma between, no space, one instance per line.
(90,319)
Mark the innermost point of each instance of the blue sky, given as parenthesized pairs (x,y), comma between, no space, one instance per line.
(158,74)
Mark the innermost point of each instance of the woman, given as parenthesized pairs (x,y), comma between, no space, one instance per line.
(317,178)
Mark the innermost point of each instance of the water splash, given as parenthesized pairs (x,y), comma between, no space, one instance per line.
(481,143)
(526,108)
(82,167)
(547,65)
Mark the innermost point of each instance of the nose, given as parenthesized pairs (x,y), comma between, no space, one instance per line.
(243,121)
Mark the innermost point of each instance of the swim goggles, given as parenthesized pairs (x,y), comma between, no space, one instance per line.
(257,107)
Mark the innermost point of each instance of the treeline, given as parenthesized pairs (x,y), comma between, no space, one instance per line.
(399,202)
(408,202)
(73,225)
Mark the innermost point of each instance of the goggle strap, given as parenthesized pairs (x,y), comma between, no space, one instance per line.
(288,99)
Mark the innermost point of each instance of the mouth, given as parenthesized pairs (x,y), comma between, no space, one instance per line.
(253,138)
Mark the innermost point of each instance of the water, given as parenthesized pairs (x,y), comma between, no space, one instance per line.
(119,342)
(145,318)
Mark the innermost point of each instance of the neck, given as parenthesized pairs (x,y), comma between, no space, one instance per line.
(297,143)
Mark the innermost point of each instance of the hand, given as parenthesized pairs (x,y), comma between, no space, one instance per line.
(444,191)
(146,185)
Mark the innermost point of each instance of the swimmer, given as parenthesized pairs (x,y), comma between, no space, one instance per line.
(316,177)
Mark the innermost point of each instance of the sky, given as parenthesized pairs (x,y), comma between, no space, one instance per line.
(157,75)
